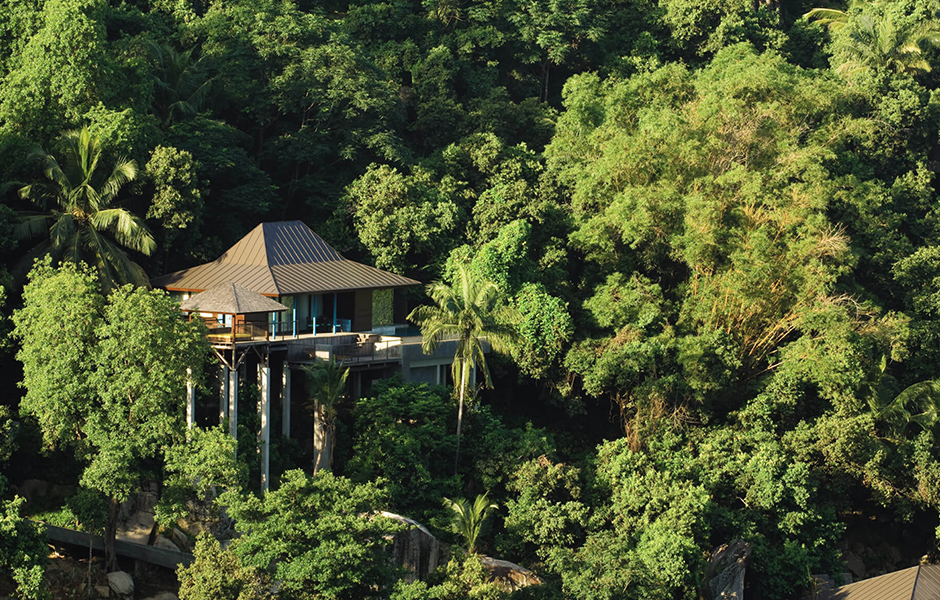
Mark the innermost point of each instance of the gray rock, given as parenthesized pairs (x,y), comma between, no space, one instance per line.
(508,576)
(855,564)
(164,542)
(415,549)
(727,568)
(103,591)
(180,539)
(121,584)
(163,596)
(31,489)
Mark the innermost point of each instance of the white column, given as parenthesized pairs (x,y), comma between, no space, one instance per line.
(285,400)
(223,395)
(264,380)
(233,403)
(190,400)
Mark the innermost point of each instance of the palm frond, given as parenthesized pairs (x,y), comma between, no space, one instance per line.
(326,383)
(25,263)
(113,265)
(128,230)
(123,172)
(830,17)
(31,225)
(63,231)
(467,519)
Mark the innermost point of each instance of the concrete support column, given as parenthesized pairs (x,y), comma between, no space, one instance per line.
(264,380)
(190,400)
(233,403)
(357,385)
(285,400)
(223,394)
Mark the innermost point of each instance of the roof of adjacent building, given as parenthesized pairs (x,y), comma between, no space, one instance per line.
(282,259)
(915,583)
(232,299)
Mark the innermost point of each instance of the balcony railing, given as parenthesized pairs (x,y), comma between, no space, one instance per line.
(351,349)
(277,330)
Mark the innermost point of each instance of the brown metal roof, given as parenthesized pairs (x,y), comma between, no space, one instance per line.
(915,583)
(928,583)
(232,299)
(281,259)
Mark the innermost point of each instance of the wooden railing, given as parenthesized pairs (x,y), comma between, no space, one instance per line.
(345,349)
(239,332)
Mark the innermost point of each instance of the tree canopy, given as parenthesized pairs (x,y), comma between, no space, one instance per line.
(714,225)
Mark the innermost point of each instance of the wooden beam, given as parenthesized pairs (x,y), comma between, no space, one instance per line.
(161,557)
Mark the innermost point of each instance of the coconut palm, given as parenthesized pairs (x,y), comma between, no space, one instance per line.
(833,18)
(473,313)
(78,212)
(181,84)
(467,520)
(326,384)
(885,43)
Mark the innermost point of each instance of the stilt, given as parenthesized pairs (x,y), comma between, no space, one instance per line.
(190,400)
(223,394)
(285,400)
(264,380)
(233,403)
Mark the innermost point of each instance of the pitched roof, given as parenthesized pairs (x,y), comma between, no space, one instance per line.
(915,583)
(280,259)
(232,299)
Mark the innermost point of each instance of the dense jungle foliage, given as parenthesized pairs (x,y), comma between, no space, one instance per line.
(716,221)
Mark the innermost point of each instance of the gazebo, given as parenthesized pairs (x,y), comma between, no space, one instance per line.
(230,310)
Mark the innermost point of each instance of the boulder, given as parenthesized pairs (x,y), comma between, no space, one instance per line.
(415,549)
(164,542)
(726,570)
(182,542)
(121,584)
(855,564)
(31,489)
(508,576)
(103,591)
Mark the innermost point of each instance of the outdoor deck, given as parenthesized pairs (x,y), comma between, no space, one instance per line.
(343,346)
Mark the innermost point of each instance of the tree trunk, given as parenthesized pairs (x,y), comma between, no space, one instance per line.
(463,388)
(322,441)
(110,533)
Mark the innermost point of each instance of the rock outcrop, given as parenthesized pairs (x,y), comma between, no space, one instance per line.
(508,576)
(415,549)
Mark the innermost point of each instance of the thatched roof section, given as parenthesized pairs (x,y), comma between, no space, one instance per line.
(231,298)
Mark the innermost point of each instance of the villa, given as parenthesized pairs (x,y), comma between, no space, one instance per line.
(281,298)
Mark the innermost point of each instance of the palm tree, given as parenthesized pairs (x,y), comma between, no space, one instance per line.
(326,384)
(833,18)
(918,404)
(82,223)
(869,40)
(472,312)
(467,520)
(180,81)
(885,43)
